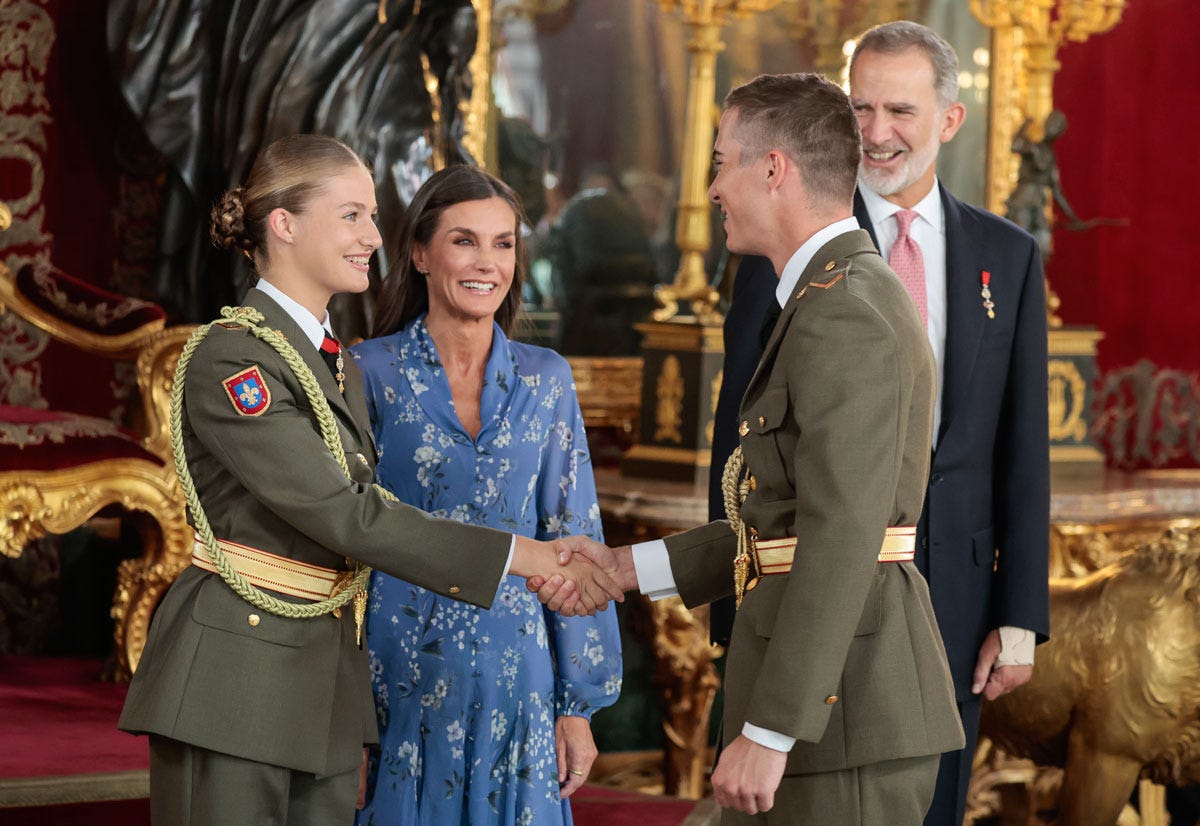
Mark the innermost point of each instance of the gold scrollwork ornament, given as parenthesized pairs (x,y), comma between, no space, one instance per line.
(1068,391)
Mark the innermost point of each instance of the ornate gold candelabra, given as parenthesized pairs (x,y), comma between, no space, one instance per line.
(704,19)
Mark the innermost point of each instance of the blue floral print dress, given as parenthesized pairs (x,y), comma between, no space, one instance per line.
(467,698)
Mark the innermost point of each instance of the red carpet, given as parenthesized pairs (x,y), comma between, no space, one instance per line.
(60,743)
(57,718)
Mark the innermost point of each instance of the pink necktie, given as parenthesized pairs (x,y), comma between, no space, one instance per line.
(908,263)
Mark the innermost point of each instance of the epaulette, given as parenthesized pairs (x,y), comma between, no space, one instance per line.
(834,272)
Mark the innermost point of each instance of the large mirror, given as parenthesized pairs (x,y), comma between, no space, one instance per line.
(587,115)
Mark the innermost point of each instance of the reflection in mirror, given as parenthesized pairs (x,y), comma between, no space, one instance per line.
(589,113)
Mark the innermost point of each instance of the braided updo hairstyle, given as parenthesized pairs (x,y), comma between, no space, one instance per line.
(287,174)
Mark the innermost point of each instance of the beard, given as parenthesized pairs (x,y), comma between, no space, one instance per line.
(914,164)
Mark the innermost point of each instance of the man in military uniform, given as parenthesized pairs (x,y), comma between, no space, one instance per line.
(839,698)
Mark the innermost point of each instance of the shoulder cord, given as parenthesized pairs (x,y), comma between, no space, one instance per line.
(734,489)
(248,317)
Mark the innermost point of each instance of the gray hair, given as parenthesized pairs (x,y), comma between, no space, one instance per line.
(902,35)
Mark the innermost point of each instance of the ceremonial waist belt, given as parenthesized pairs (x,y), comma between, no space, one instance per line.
(274,572)
(775,556)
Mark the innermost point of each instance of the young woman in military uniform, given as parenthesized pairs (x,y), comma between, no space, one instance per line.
(253,685)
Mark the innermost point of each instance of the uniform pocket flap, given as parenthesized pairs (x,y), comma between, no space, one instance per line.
(768,412)
(217,606)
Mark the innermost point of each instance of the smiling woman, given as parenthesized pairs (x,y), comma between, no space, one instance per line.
(484,714)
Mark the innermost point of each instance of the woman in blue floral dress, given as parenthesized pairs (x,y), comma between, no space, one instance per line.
(484,715)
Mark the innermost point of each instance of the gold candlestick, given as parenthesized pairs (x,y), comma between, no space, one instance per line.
(704,19)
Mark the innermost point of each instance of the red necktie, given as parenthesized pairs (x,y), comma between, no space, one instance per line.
(331,348)
(907,261)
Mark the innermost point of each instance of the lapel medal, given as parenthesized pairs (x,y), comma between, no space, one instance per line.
(248,392)
(985,281)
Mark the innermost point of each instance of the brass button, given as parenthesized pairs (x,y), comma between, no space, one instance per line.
(752,584)
(829,267)
(454,589)
(254,620)
(831,699)
(363,459)
(752,482)
(743,428)
(762,421)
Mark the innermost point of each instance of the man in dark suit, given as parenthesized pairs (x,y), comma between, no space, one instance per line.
(839,699)
(982,540)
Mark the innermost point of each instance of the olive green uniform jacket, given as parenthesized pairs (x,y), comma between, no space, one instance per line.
(843,653)
(288,692)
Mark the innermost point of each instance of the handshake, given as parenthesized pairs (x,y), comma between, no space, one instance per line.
(575,576)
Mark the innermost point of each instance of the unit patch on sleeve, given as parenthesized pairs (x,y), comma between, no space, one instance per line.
(248,392)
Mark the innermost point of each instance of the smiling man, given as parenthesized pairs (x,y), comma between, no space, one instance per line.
(838,697)
(983,537)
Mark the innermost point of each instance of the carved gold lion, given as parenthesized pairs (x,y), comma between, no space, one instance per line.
(1115,694)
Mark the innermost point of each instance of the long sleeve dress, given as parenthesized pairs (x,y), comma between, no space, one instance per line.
(467,698)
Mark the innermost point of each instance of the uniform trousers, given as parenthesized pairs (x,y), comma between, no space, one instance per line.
(891,793)
(192,786)
(954,775)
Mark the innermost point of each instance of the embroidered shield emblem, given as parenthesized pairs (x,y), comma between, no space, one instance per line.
(248,392)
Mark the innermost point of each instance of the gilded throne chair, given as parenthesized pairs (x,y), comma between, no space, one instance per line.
(68,452)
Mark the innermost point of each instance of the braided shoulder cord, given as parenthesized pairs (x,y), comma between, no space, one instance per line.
(734,489)
(249,318)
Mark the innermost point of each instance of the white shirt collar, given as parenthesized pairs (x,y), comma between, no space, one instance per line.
(313,329)
(796,265)
(880,208)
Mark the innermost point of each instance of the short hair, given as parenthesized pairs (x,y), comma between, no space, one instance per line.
(405,293)
(287,174)
(811,120)
(902,35)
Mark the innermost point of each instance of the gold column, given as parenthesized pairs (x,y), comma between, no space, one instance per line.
(704,19)
(1032,32)
(1026,36)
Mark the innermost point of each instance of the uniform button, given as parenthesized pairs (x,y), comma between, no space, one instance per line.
(936,479)
(762,421)
(831,699)
(454,589)
(752,482)
(829,267)
(363,459)
(254,620)
(743,428)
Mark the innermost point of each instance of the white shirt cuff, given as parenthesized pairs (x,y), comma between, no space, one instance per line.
(1016,646)
(512,548)
(766,737)
(653,567)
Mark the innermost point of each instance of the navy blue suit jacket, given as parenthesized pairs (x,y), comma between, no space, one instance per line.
(983,538)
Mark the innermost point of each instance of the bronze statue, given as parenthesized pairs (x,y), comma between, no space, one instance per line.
(1116,692)
(1037,176)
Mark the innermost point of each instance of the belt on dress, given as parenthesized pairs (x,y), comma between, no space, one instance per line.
(774,556)
(274,572)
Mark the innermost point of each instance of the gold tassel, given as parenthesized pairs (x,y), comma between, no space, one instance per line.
(360,614)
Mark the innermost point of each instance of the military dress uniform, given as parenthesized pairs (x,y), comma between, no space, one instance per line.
(835,648)
(274,706)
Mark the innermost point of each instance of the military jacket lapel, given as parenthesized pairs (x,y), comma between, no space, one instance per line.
(277,319)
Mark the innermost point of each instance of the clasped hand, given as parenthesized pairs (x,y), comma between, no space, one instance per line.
(572,575)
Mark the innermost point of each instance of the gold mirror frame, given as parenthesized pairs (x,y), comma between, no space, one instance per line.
(1008,90)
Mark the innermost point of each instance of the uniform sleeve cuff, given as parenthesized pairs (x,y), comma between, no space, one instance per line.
(653,567)
(766,737)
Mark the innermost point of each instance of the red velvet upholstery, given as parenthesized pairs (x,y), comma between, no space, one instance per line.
(85,305)
(32,439)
